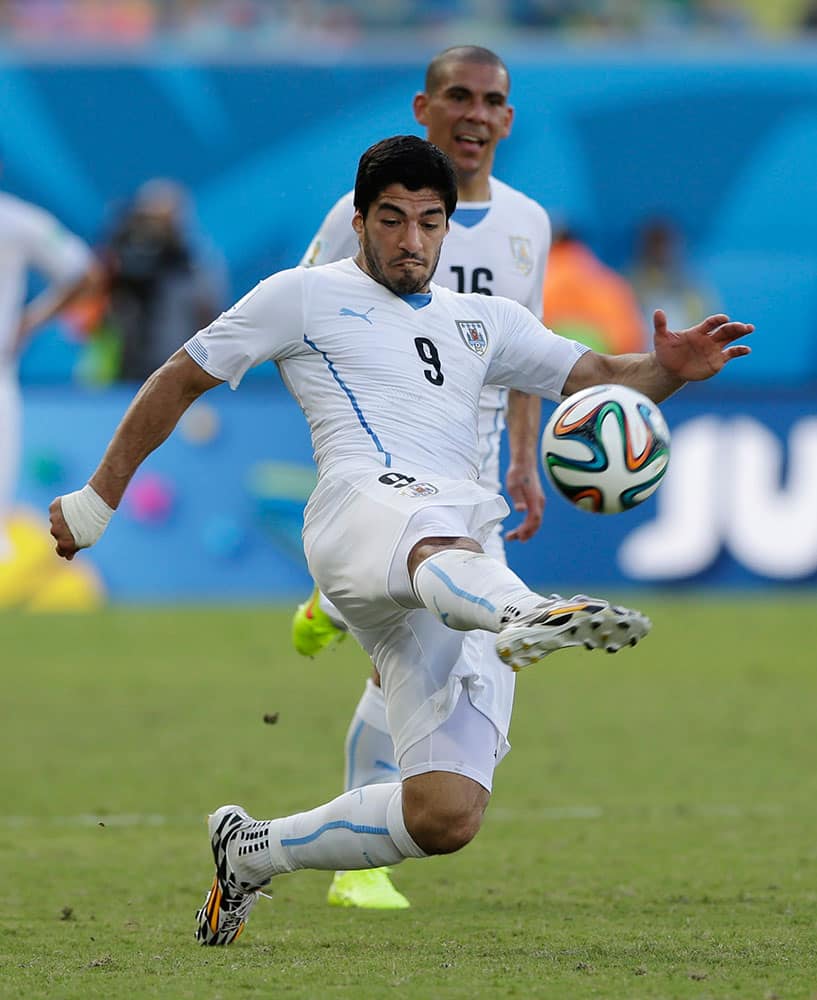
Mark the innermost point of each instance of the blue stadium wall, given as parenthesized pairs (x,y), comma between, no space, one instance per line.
(722,143)
(216,512)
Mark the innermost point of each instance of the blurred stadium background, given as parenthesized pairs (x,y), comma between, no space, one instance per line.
(702,114)
(652,835)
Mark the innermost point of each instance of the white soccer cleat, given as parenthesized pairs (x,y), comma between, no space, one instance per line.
(228,903)
(577,621)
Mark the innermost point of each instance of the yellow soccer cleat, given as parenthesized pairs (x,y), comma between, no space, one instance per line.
(312,628)
(368,889)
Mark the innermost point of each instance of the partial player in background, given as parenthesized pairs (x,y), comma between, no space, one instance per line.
(30,240)
(497,245)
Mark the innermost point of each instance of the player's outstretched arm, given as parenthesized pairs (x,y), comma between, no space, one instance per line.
(701,351)
(78,519)
(678,357)
(522,479)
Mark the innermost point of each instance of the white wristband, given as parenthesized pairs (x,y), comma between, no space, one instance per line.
(86,515)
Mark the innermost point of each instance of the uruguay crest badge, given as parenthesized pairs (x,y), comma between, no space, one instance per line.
(474,334)
(522,253)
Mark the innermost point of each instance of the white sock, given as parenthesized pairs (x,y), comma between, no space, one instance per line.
(471,590)
(369,748)
(363,828)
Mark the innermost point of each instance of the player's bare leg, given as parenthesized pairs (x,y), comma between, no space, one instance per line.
(432,813)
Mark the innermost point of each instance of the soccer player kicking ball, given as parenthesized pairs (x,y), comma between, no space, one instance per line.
(388,368)
(497,244)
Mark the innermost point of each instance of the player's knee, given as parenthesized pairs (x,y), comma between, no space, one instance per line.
(444,831)
(458,830)
(440,824)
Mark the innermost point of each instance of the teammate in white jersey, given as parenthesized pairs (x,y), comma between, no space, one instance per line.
(388,369)
(30,240)
(497,244)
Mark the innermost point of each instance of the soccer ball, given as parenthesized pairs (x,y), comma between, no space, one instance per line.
(606,448)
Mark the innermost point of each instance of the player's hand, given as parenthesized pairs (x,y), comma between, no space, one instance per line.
(525,490)
(66,546)
(701,351)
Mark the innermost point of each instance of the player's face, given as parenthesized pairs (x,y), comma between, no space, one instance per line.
(401,238)
(467,115)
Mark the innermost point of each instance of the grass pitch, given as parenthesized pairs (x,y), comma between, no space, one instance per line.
(652,834)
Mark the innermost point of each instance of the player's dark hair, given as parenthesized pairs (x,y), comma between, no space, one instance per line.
(407,160)
(435,71)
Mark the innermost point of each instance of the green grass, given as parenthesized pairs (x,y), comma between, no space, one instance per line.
(652,834)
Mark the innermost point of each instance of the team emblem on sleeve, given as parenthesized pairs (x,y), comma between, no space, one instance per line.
(474,334)
(522,253)
(419,490)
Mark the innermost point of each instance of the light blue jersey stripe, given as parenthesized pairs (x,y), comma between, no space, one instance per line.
(338,824)
(197,351)
(458,592)
(351,397)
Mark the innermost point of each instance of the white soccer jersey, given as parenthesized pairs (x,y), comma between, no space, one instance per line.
(31,239)
(503,254)
(378,379)
(393,382)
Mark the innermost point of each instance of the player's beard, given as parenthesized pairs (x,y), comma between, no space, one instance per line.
(400,282)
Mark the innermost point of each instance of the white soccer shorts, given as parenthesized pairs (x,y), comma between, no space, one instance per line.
(358,534)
